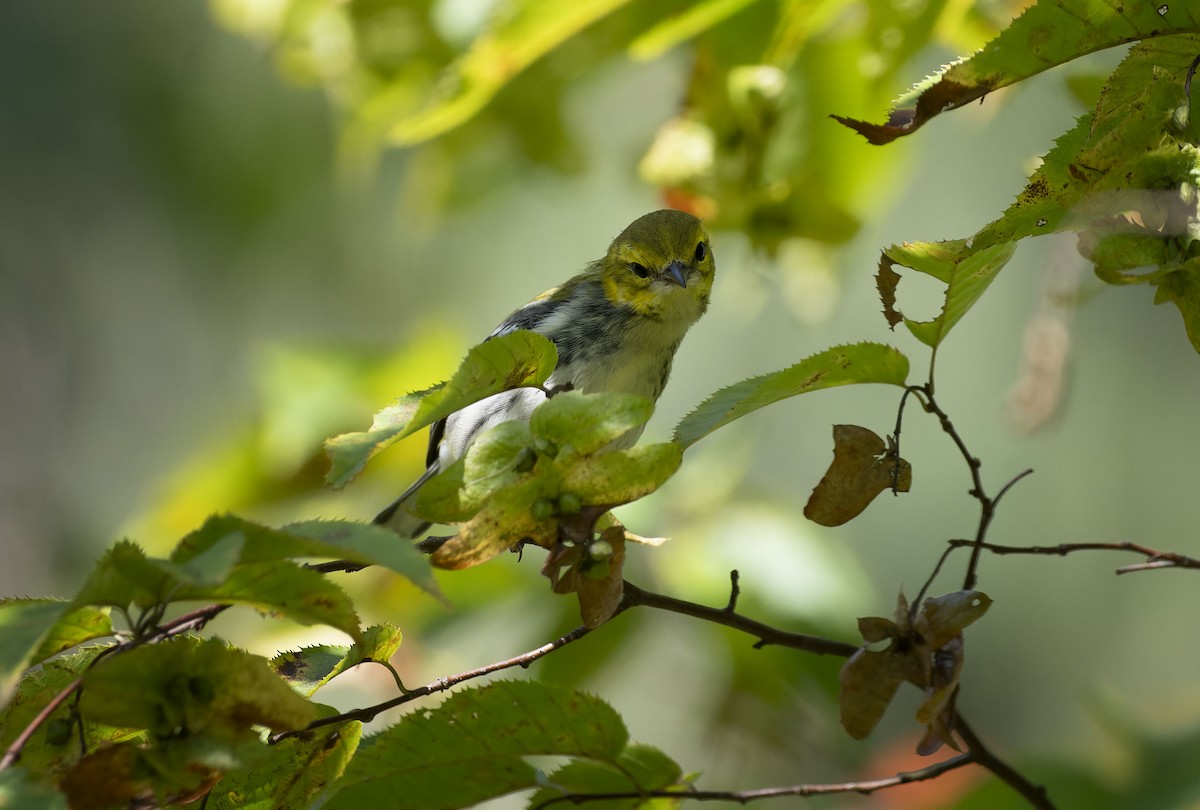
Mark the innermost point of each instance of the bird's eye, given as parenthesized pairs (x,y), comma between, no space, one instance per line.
(639,270)
(701,251)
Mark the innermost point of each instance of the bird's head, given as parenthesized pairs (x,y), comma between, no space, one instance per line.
(661,266)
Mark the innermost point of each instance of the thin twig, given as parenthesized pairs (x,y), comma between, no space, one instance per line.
(746,796)
(767,635)
(1154,558)
(369,713)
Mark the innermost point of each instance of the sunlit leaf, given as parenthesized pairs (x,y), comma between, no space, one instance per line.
(32,630)
(511,44)
(1047,34)
(310,668)
(587,422)
(966,272)
(513,360)
(843,365)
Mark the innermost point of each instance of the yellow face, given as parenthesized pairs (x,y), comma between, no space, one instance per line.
(661,266)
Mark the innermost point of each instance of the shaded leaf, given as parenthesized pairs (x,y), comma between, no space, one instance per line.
(639,767)
(302,768)
(508,518)
(843,365)
(472,747)
(32,630)
(491,463)
(192,685)
(18,791)
(513,360)
(862,468)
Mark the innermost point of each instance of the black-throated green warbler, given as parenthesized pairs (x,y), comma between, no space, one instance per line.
(616,326)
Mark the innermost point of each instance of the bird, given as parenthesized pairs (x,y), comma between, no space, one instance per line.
(616,327)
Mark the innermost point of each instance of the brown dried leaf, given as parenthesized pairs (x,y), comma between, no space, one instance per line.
(886,281)
(869,682)
(600,598)
(944,617)
(862,468)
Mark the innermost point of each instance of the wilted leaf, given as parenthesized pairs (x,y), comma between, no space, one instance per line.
(927,652)
(862,468)
(507,519)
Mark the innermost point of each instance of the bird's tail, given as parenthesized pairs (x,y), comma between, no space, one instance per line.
(399,519)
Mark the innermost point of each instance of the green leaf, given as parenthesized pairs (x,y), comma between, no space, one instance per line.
(589,422)
(303,767)
(125,576)
(514,360)
(328,539)
(44,754)
(369,544)
(457,493)
(193,685)
(1046,35)
(681,27)
(639,767)
(621,476)
(308,669)
(842,365)
(507,519)
(965,271)
(32,630)
(472,747)
(516,39)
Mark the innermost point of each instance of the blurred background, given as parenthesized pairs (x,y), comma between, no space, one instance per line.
(225,236)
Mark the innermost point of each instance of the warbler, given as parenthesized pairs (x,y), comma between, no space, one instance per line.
(616,327)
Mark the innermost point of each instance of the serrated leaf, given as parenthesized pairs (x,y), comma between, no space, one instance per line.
(190,684)
(586,423)
(32,630)
(862,468)
(326,539)
(370,544)
(965,271)
(513,360)
(842,365)
(472,747)
(1047,34)
(515,40)
(310,668)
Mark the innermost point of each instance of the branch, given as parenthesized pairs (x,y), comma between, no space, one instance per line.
(1154,558)
(979,753)
(747,796)
(440,685)
(987,505)
(767,635)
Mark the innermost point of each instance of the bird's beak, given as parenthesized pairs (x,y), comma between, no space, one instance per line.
(677,272)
